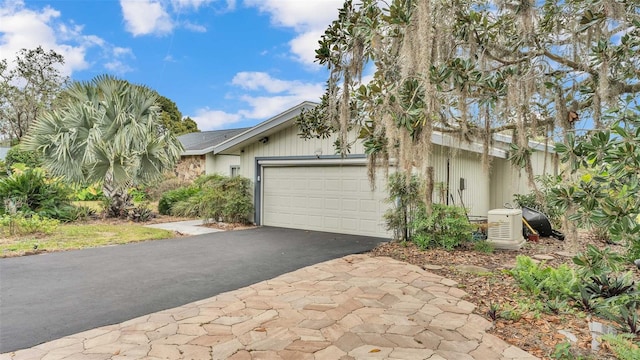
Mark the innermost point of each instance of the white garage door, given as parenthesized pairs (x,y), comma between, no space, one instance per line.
(324,198)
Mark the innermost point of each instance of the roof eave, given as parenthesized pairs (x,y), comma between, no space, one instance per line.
(263,128)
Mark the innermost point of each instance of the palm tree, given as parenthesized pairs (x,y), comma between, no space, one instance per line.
(105,130)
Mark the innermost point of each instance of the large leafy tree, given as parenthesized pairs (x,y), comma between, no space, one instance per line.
(172,118)
(105,130)
(28,86)
(472,68)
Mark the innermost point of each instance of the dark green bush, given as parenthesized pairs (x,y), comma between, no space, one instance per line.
(220,198)
(405,198)
(30,191)
(446,227)
(170,198)
(16,155)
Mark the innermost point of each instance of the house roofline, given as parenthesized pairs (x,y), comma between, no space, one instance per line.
(264,127)
(283,119)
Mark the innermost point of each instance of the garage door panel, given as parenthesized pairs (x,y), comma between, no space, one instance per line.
(350,204)
(323,198)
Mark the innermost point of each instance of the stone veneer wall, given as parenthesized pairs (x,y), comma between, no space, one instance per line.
(190,167)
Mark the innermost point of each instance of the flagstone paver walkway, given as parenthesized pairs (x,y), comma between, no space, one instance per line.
(356,307)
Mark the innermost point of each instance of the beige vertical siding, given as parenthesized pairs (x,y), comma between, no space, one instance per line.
(507,180)
(484,190)
(221,164)
(475,196)
(287,143)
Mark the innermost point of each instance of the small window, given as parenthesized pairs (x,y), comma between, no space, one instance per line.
(235,170)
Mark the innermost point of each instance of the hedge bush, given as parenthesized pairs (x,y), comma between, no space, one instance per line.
(220,198)
(170,198)
(16,155)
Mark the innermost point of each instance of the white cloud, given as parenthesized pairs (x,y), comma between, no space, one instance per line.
(268,97)
(208,119)
(144,17)
(300,15)
(264,107)
(118,67)
(304,46)
(118,63)
(194,27)
(28,28)
(22,28)
(260,80)
(308,18)
(195,4)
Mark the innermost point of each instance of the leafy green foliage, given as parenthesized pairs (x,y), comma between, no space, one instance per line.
(17,155)
(30,191)
(607,194)
(172,119)
(595,262)
(28,88)
(404,195)
(106,131)
(624,311)
(170,198)
(19,224)
(608,285)
(554,283)
(623,346)
(446,227)
(542,200)
(88,193)
(484,247)
(138,194)
(220,198)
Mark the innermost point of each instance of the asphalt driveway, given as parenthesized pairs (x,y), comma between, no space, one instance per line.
(48,296)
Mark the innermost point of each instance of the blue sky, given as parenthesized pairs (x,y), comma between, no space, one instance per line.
(225,63)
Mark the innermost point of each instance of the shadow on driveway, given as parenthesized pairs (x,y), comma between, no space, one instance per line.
(48,296)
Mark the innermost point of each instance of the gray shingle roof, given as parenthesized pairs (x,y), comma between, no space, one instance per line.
(200,143)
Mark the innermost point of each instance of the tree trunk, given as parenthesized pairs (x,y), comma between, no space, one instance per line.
(119,199)
(428,196)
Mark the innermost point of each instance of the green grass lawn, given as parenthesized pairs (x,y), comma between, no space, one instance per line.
(80,236)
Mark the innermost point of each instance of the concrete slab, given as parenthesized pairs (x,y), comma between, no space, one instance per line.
(189,227)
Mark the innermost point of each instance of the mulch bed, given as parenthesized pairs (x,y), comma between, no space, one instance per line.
(536,334)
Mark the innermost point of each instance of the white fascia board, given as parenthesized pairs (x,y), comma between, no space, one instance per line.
(446,140)
(196,152)
(507,139)
(313,162)
(260,129)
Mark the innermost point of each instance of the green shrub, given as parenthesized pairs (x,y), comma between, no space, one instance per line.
(30,191)
(19,224)
(484,247)
(555,283)
(156,191)
(4,169)
(405,199)
(221,198)
(89,193)
(446,227)
(170,198)
(16,155)
(138,194)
